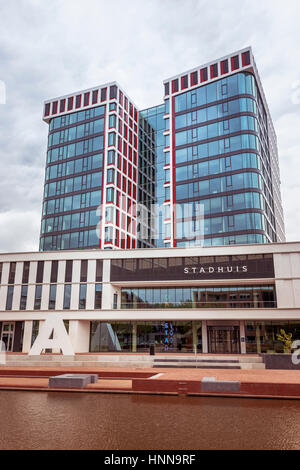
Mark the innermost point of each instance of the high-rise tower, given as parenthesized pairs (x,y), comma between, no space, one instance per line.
(223,154)
(119,178)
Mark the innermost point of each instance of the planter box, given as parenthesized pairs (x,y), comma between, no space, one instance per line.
(280,361)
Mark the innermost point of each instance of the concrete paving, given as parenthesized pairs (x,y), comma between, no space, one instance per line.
(254,383)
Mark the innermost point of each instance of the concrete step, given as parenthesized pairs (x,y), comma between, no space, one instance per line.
(137,361)
(209,362)
(141,365)
(204,365)
(198,361)
(211,358)
(78,358)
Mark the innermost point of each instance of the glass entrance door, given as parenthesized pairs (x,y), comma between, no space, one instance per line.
(7,335)
(224,339)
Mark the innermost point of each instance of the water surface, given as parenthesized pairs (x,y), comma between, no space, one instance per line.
(58,420)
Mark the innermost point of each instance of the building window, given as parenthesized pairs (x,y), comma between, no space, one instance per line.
(78,101)
(95,97)
(67,296)
(68,274)
(62,106)
(110,195)
(246,58)
(228,181)
(203,75)
(98,296)
(231,221)
(70,103)
(113,92)
(111,138)
(82,297)
(228,162)
(54,107)
(167,193)
(194,78)
(52,297)
(229,200)
(108,234)
(99,265)
(25,276)
(235,62)
(115,304)
(167,176)
(12,273)
(167,158)
(224,67)
(9,298)
(110,175)
(38,297)
(103,94)
(54,271)
(40,272)
(167,230)
(214,71)
(167,89)
(112,121)
(175,85)
(184,82)
(47,109)
(111,157)
(23,301)
(86,99)
(83,271)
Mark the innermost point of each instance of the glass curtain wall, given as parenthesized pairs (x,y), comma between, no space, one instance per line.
(200,297)
(261,337)
(166,336)
(152,160)
(73,181)
(222,155)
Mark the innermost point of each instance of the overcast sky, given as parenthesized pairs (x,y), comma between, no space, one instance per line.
(48,49)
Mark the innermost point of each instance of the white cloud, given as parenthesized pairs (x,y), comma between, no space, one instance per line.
(48,49)
(20,231)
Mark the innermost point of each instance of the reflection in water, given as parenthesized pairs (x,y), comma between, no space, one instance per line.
(40,420)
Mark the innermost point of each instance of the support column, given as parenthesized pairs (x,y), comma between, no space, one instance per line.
(134,331)
(79,332)
(27,336)
(195,336)
(204,337)
(243,335)
(258,342)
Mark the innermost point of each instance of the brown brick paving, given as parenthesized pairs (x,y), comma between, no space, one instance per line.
(275,383)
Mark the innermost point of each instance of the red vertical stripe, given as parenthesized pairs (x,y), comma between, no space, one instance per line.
(103,189)
(174,172)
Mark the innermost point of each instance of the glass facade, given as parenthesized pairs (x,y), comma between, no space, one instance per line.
(187,336)
(211,145)
(152,160)
(261,336)
(166,336)
(73,181)
(200,297)
(222,161)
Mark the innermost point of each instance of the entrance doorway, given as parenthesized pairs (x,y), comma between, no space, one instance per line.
(7,335)
(224,339)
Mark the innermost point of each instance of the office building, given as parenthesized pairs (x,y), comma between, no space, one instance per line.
(231,300)
(199,169)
